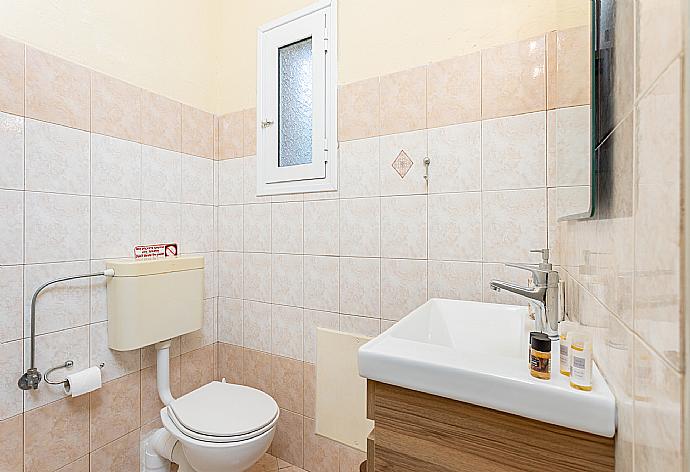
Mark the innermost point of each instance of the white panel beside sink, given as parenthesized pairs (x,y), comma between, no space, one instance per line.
(478,353)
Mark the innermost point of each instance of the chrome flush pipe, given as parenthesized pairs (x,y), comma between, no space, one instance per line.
(32,377)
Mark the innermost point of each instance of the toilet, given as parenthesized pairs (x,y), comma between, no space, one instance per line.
(220,426)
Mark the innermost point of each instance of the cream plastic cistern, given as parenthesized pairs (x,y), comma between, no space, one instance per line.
(217,427)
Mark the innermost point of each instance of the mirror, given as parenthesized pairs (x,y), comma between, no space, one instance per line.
(571,159)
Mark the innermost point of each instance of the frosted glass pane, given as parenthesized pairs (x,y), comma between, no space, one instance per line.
(295,104)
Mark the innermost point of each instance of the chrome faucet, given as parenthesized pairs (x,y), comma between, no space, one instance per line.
(544,292)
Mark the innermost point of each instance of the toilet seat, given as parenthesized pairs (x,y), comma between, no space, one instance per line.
(220,412)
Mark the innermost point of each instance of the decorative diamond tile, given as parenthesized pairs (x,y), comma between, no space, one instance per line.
(402,164)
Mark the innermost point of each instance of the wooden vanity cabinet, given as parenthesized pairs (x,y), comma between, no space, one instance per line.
(418,432)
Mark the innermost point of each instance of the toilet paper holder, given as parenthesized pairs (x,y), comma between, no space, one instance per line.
(68,364)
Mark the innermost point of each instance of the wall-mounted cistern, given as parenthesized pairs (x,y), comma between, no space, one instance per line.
(544,292)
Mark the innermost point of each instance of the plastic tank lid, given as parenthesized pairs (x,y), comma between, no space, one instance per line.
(162,265)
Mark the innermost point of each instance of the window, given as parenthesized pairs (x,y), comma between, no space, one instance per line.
(296,103)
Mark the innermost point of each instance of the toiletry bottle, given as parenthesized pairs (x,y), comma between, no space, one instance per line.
(540,356)
(580,361)
(529,346)
(565,329)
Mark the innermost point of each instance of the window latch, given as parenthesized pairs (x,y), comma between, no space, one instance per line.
(266,123)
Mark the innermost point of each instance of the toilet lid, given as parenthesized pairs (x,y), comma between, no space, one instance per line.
(224,409)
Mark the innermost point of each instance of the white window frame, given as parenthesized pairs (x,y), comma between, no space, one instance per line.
(319,22)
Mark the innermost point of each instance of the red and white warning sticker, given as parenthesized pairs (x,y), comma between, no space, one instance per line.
(155,250)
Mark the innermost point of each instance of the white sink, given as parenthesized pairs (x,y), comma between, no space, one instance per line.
(477,353)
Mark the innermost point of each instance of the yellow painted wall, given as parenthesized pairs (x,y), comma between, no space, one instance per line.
(381,36)
(203,52)
(167,46)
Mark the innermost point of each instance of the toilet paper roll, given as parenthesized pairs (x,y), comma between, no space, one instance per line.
(84,381)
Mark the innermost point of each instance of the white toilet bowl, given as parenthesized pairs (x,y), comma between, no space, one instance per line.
(222,427)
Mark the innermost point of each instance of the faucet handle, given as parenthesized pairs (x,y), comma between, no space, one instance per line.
(544,254)
(539,275)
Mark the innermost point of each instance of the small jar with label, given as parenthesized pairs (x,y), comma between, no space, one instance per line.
(540,356)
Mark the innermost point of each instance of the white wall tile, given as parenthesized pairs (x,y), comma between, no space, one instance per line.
(230,274)
(458,280)
(256,326)
(456,158)
(257,277)
(204,336)
(404,227)
(115,227)
(117,363)
(514,152)
(210,272)
(230,228)
(57,227)
(12,228)
(12,155)
(455,226)
(287,227)
(568,146)
(115,167)
(57,158)
(403,287)
(98,294)
(414,144)
(56,348)
(257,227)
(360,286)
(161,172)
(360,325)
(514,222)
(287,279)
(249,181)
(230,321)
(321,231)
(287,331)
(197,180)
(312,320)
(360,224)
(359,168)
(321,275)
(11,302)
(59,306)
(230,181)
(196,227)
(160,222)
(11,368)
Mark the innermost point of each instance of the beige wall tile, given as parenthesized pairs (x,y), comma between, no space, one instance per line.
(403,101)
(658,413)
(360,325)
(117,363)
(230,320)
(360,286)
(321,230)
(80,465)
(456,158)
(12,232)
(287,331)
(122,454)
(310,390)
(11,286)
(12,140)
(267,463)
(257,370)
(359,168)
(12,444)
(257,227)
(161,121)
(321,283)
(231,135)
(111,412)
(230,182)
(257,326)
(289,438)
(287,227)
(197,368)
(11,76)
(312,320)
(568,67)
(455,227)
(513,78)
(454,91)
(350,459)
(568,139)
(320,453)
(57,91)
(459,280)
(230,364)
(404,227)
(249,132)
(360,224)
(658,218)
(115,108)
(257,277)
(403,287)
(414,144)
(288,383)
(67,419)
(11,368)
(659,39)
(358,109)
(197,132)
